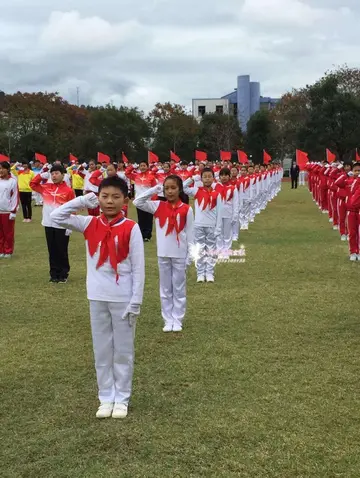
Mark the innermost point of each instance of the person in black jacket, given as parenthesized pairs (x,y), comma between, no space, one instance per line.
(294,173)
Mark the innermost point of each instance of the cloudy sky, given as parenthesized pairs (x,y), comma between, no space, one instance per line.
(138,52)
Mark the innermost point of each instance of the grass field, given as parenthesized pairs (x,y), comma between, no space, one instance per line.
(263,382)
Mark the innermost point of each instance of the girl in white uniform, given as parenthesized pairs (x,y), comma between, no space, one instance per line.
(174,232)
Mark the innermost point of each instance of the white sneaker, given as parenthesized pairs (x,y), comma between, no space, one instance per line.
(105,410)
(2,255)
(344,237)
(335,228)
(325,212)
(331,220)
(120,410)
(201,279)
(210,278)
(177,328)
(353,257)
(7,256)
(235,238)
(168,328)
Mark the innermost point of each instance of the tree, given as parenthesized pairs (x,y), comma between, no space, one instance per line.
(260,136)
(334,119)
(220,132)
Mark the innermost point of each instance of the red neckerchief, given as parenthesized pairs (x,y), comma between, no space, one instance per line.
(167,211)
(103,232)
(208,196)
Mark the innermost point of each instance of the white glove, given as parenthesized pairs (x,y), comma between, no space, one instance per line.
(90,201)
(68,232)
(12,216)
(131,313)
(159,188)
(327,166)
(340,166)
(84,165)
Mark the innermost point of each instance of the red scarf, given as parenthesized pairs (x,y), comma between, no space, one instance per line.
(207,196)
(100,231)
(169,212)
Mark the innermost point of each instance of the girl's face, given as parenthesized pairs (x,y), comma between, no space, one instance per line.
(166,167)
(121,166)
(171,190)
(347,168)
(224,179)
(92,166)
(111,171)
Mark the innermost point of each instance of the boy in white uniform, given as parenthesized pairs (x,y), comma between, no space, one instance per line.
(115,286)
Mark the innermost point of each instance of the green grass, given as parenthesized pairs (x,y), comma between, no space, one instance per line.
(264,381)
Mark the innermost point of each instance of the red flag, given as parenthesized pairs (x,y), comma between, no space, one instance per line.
(41,157)
(4,158)
(266,157)
(357,156)
(73,159)
(124,158)
(103,158)
(242,157)
(330,157)
(301,159)
(174,157)
(152,157)
(225,155)
(200,155)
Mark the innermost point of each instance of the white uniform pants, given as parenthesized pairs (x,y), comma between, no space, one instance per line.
(205,239)
(245,214)
(224,241)
(114,351)
(302,178)
(172,272)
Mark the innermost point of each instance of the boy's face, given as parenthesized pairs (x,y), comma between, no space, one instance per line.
(257,169)
(347,168)
(111,201)
(243,171)
(234,173)
(143,167)
(92,166)
(224,178)
(57,177)
(356,171)
(207,178)
(184,167)
(37,165)
(166,167)
(251,170)
(4,173)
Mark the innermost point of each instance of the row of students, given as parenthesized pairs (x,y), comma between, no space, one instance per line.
(335,189)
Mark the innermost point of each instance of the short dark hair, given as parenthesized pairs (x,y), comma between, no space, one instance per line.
(183,163)
(5,165)
(114,182)
(144,162)
(58,167)
(225,172)
(207,170)
(356,165)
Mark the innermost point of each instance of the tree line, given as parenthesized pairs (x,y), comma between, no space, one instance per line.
(323,115)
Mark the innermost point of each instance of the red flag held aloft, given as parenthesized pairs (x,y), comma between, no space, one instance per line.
(4,158)
(124,158)
(301,159)
(152,157)
(357,156)
(242,157)
(174,157)
(73,159)
(200,155)
(330,157)
(103,158)
(266,157)
(41,157)
(225,155)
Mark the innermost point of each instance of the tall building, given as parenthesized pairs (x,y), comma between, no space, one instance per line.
(243,102)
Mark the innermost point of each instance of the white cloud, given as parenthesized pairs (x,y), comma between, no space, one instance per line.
(69,32)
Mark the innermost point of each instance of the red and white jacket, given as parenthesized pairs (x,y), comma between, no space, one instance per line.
(208,206)
(9,195)
(114,251)
(142,181)
(54,196)
(87,176)
(174,224)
